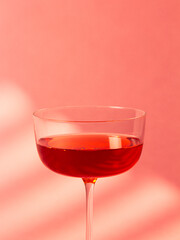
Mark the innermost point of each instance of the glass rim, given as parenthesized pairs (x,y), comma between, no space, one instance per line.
(37,112)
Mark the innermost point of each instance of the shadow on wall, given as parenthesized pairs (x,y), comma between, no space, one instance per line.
(38,204)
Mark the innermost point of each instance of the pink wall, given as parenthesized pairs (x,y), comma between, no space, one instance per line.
(89,52)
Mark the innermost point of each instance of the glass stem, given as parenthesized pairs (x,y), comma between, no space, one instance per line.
(89,186)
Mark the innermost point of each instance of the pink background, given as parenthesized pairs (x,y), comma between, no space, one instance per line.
(81,52)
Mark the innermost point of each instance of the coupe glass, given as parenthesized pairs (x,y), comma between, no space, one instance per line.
(89,142)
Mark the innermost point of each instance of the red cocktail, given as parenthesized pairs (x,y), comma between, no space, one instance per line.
(89,143)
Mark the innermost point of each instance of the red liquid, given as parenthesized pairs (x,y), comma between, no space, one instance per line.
(89,155)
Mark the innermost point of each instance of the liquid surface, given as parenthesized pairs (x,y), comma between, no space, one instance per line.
(89,155)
